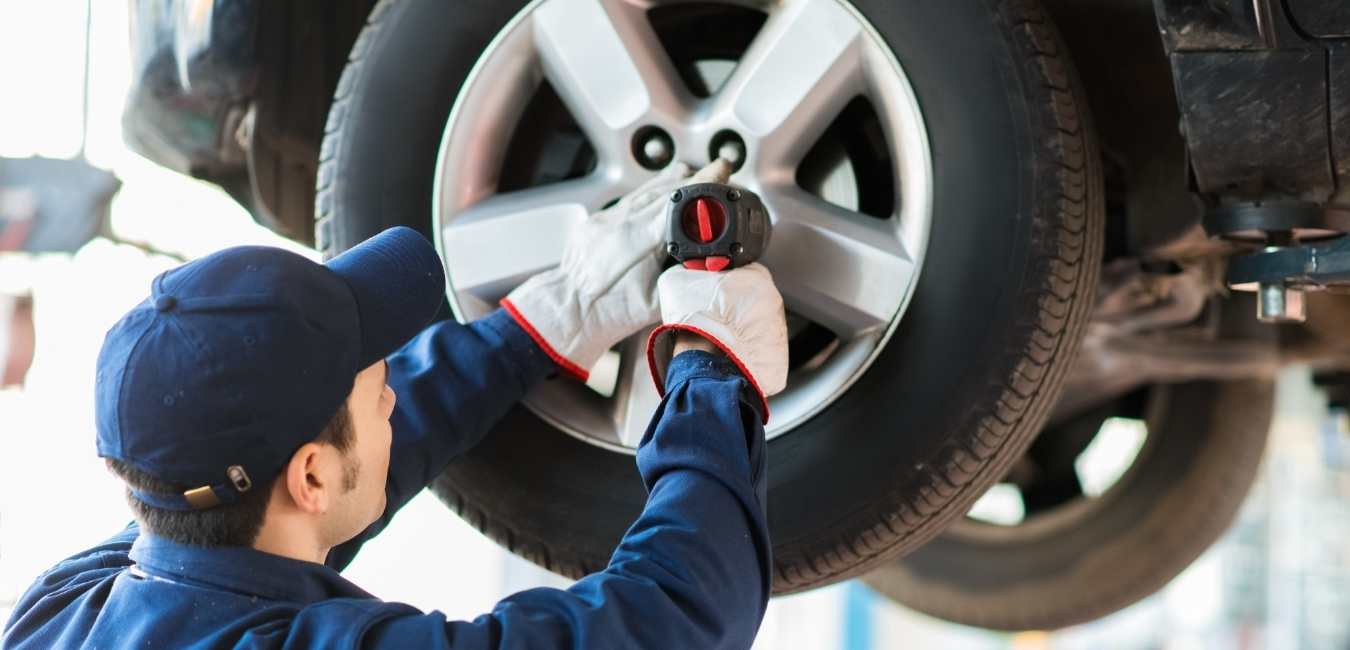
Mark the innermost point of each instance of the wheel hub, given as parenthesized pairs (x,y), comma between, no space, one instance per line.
(846,273)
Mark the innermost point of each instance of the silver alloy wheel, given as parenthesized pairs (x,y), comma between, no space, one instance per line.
(848,272)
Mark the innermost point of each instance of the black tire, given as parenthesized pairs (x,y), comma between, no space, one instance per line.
(966,380)
(1091,557)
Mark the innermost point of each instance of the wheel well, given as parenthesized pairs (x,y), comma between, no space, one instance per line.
(1124,68)
(303,47)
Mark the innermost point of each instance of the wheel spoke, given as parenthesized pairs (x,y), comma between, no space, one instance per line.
(635,394)
(500,241)
(607,65)
(841,269)
(801,70)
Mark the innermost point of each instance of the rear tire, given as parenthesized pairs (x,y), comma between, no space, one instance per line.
(1093,557)
(959,392)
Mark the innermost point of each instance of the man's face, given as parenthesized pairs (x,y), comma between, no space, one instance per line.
(370,405)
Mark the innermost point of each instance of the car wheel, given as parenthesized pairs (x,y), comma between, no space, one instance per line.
(937,202)
(1077,553)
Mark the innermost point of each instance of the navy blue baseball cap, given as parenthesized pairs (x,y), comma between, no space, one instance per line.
(239,358)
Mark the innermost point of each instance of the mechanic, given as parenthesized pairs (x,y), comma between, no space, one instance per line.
(249,406)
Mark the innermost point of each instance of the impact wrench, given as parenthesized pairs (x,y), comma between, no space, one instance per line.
(715,227)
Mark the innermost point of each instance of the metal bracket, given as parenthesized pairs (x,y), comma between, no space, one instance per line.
(1309,266)
(1281,275)
(1302,221)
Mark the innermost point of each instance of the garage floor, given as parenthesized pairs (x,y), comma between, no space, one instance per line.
(1279,579)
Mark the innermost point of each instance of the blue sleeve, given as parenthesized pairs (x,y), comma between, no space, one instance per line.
(692,572)
(453,382)
(54,590)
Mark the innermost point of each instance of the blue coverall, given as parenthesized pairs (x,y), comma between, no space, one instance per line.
(692,571)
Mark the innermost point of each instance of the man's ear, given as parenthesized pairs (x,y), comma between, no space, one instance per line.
(305,484)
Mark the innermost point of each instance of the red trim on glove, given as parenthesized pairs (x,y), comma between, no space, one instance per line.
(660,386)
(567,366)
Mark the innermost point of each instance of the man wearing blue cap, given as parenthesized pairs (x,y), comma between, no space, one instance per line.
(250,406)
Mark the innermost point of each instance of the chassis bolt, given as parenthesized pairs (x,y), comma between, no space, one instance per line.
(733,195)
(675,198)
(673,248)
(1279,303)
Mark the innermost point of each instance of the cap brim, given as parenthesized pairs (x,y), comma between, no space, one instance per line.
(399,284)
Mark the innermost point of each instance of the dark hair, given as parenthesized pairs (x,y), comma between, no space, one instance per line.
(234,524)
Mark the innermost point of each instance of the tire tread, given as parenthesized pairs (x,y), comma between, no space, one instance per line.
(1058,297)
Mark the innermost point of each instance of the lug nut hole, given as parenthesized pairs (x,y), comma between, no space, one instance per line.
(653,148)
(729,145)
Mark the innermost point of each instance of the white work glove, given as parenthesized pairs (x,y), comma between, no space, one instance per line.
(740,311)
(604,290)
